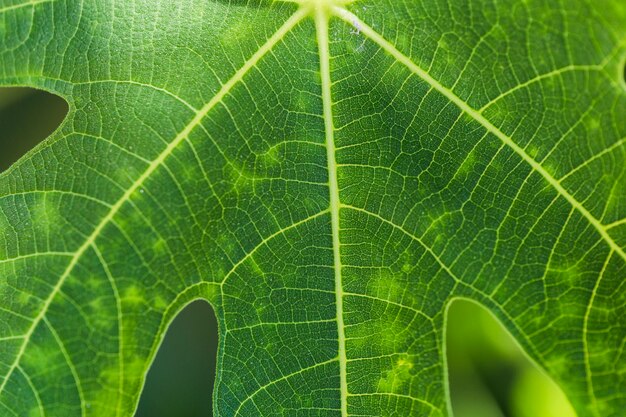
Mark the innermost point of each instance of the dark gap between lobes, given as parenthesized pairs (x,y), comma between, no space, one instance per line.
(27,117)
(180,380)
(490,375)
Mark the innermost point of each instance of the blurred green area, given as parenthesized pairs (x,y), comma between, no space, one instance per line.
(489,374)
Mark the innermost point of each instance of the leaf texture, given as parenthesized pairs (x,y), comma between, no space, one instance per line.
(329,175)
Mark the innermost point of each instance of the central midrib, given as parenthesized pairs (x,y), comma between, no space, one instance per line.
(321,25)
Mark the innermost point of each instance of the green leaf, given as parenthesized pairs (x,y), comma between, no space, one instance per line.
(329,175)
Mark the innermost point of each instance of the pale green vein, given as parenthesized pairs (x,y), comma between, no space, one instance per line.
(278,324)
(616,223)
(541,77)
(29,381)
(428,249)
(36,255)
(140,84)
(6,407)
(70,365)
(617,145)
(16,314)
(267,239)
(2,339)
(389,302)
(590,388)
(124,82)
(395,395)
(476,115)
(120,326)
(283,378)
(321,26)
(22,5)
(196,121)
(60,193)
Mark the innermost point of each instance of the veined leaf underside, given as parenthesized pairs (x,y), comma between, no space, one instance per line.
(336,189)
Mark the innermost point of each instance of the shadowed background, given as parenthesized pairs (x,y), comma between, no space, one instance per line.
(489,374)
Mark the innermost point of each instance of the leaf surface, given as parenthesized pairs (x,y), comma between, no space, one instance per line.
(329,175)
